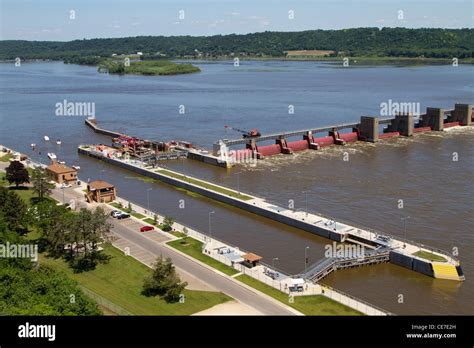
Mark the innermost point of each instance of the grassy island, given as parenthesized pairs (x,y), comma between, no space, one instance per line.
(148,67)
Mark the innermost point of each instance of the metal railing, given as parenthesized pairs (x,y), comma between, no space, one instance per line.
(102,301)
(369,229)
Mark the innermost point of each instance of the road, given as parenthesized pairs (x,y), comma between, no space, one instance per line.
(217,281)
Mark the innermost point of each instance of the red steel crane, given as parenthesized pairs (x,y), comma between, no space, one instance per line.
(246,134)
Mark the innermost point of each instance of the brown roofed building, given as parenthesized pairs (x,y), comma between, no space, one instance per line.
(100,191)
(61,173)
(251,259)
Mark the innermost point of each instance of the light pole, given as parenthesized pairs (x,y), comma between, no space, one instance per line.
(305,258)
(148,197)
(306,201)
(273,262)
(404,219)
(210,231)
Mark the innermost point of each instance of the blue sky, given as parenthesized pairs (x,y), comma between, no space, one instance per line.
(50,19)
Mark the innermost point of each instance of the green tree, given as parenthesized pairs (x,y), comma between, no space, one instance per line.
(87,229)
(16,173)
(164,281)
(168,222)
(41,184)
(26,289)
(13,209)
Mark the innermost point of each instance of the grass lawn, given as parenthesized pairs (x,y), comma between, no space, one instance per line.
(125,209)
(308,305)
(430,256)
(193,248)
(138,215)
(178,234)
(26,193)
(205,185)
(6,157)
(120,281)
(116,205)
(150,221)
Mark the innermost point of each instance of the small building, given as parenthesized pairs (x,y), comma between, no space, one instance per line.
(61,173)
(251,260)
(100,191)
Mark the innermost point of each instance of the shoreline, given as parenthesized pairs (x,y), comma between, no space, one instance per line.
(358,60)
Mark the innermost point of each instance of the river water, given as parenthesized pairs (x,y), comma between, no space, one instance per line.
(437,192)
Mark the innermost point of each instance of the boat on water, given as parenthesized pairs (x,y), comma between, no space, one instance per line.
(33,146)
(58,141)
(62,162)
(51,156)
(76,167)
(46,138)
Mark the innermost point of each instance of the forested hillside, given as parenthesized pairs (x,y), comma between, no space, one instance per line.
(386,42)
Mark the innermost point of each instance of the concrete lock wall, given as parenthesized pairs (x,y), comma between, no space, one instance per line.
(250,207)
(207,159)
(412,263)
(401,260)
(423,267)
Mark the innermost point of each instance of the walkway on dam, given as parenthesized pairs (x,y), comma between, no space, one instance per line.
(323,268)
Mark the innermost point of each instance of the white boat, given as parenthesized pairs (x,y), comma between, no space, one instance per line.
(58,142)
(76,167)
(51,155)
(62,162)
(33,146)
(46,138)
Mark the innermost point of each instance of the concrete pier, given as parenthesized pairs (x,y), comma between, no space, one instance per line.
(433,118)
(369,129)
(402,123)
(405,253)
(462,113)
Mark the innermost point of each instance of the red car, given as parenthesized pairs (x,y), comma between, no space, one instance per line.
(146,228)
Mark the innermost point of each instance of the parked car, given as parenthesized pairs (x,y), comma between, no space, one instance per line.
(64,185)
(123,216)
(115,213)
(146,228)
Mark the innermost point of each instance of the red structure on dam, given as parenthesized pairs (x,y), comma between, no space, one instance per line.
(368,129)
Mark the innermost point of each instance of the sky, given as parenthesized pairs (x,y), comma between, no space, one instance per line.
(53,20)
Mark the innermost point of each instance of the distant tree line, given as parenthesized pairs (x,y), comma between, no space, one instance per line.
(385,42)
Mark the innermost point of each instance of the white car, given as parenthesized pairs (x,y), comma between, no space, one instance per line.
(115,213)
(65,185)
